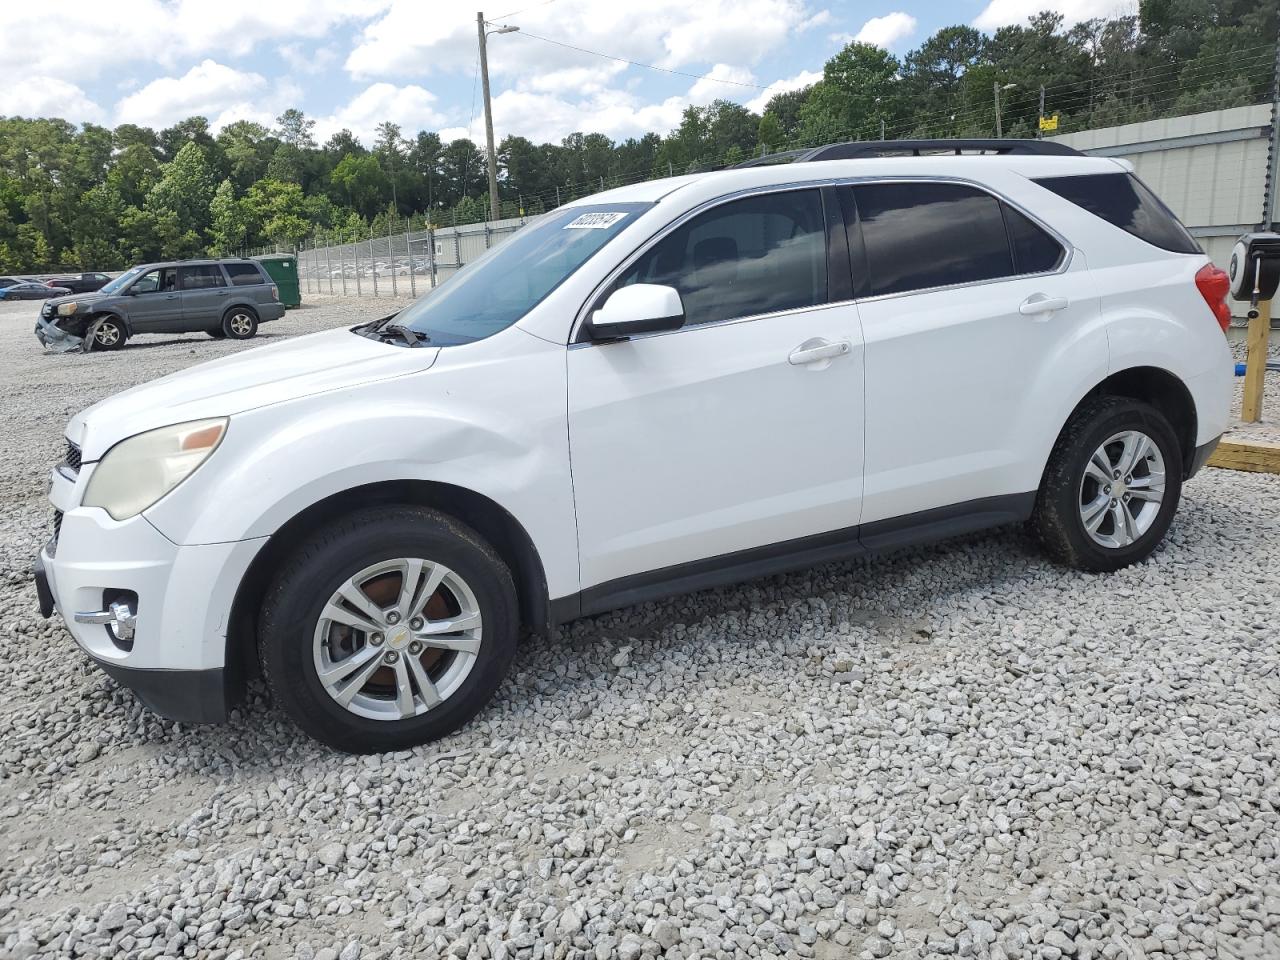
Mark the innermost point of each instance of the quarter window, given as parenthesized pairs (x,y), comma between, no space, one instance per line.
(1034,251)
(243,274)
(921,235)
(760,254)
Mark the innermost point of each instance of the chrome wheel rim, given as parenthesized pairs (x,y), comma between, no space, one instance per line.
(241,324)
(1122,489)
(397,639)
(107,334)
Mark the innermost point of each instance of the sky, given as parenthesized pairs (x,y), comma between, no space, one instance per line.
(354,63)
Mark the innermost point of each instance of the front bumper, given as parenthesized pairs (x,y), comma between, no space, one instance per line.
(182,597)
(52,337)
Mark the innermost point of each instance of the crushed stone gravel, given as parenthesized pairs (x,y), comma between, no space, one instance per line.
(959,751)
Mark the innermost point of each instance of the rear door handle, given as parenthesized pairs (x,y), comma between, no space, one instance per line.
(1038,304)
(811,351)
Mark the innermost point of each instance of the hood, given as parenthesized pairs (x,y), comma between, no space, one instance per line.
(78,298)
(300,367)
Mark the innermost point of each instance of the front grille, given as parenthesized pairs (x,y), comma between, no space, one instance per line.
(73,457)
(57,529)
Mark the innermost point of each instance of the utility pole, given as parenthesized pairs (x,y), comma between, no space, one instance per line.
(488,111)
(996,88)
(1040,125)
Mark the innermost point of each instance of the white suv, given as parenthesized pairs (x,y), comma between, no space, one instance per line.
(661,388)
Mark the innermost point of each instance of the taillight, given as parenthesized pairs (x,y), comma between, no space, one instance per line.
(1214,284)
(275,291)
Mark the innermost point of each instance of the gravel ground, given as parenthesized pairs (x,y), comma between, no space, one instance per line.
(1268,428)
(956,751)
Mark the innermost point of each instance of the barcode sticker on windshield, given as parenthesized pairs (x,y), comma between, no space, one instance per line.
(594,221)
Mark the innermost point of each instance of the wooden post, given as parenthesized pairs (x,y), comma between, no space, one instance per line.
(1255,370)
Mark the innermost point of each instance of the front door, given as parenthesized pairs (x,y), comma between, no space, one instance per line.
(743,429)
(155,305)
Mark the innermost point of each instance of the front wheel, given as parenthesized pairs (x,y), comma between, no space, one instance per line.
(108,334)
(1111,487)
(388,629)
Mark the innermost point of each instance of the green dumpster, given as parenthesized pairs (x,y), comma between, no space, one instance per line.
(283,269)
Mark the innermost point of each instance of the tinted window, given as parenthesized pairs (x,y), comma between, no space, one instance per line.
(201,277)
(756,255)
(243,274)
(1124,201)
(920,235)
(1034,251)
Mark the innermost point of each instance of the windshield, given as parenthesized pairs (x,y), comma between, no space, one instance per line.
(514,277)
(120,282)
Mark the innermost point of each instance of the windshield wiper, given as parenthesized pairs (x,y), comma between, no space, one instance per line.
(413,338)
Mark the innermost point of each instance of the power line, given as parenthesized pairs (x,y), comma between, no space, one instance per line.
(516,13)
(637,63)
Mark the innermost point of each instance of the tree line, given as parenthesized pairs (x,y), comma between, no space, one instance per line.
(90,197)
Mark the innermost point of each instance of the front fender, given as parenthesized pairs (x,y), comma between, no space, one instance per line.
(503,437)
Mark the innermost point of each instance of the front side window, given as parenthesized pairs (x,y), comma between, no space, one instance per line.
(496,290)
(122,281)
(760,254)
(922,235)
(202,277)
(156,281)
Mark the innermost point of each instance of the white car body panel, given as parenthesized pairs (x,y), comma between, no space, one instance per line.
(630,458)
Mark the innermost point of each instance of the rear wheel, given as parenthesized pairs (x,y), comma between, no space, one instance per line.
(107,334)
(1111,487)
(239,323)
(388,629)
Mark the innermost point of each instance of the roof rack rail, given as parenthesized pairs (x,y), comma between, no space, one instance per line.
(916,148)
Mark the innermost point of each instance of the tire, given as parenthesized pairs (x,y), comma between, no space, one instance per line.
(1073,496)
(109,335)
(302,633)
(239,323)
(218,334)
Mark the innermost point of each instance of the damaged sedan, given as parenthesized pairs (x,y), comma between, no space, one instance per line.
(226,299)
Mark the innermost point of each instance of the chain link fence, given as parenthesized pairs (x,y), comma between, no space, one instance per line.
(403,264)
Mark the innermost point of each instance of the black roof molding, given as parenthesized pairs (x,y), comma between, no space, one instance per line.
(859,149)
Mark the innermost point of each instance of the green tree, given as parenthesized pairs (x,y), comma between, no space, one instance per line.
(185,189)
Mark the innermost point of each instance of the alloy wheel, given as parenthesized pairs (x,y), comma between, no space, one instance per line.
(1122,489)
(241,324)
(397,639)
(107,334)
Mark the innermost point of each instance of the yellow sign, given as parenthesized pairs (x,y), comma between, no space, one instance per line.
(1049,123)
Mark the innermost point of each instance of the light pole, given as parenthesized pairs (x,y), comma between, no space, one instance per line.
(996,88)
(488,111)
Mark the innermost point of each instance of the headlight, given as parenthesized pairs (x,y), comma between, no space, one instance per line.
(137,472)
(67,309)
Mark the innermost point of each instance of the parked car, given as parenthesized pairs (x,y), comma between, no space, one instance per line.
(9,281)
(80,282)
(662,388)
(31,290)
(223,298)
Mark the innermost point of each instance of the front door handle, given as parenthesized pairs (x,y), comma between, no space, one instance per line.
(1038,304)
(811,351)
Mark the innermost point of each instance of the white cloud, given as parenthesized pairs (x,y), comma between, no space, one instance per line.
(710,88)
(887,31)
(411,106)
(47,97)
(1003,13)
(302,60)
(209,89)
(802,79)
(415,39)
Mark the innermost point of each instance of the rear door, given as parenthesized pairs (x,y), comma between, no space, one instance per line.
(740,430)
(204,295)
(972,311)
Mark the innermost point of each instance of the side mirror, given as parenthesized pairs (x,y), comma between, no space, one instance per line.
(639,308)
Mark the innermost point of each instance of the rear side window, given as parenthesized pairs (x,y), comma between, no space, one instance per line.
(201,277)
(1124,201)
(921,235)
(243,274)
(760,254)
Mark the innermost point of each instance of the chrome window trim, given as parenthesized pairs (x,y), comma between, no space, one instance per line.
(1064,265)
